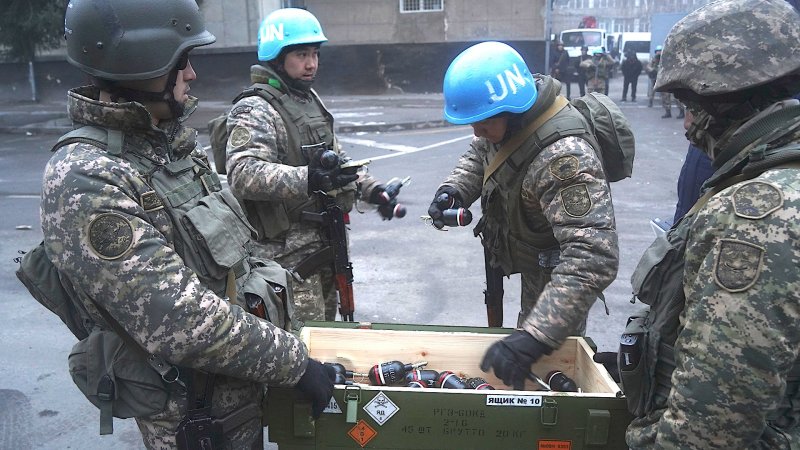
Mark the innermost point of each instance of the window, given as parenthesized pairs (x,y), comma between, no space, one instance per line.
(407,6)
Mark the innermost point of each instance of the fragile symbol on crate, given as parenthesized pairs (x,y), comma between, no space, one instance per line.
(381,408)
(362,433)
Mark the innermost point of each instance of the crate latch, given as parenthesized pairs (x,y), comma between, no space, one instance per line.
(549,412)
(352,395)
(597,424)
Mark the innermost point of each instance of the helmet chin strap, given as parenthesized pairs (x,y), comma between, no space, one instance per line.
(166,95)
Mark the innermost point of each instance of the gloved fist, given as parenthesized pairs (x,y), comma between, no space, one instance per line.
(511,358)
(447,197)
(317,385)
(609,361)
(325,172)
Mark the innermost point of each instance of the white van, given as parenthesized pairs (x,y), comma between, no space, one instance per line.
(573,40)
(637,42)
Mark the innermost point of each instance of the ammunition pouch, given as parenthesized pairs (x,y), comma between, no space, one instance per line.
(118,379)
(217,237)
(267,283)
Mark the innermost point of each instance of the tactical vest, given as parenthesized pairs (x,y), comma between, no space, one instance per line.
(646,354)
(210,231)
(512,243)
(306,124)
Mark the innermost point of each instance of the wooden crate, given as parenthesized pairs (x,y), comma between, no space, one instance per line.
(391,417)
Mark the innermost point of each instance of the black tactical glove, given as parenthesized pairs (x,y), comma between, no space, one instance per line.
(325,172)
(317,385)
(609,361)
(512,357)
(442,202)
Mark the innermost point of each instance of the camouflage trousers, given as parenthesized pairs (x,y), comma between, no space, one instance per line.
(158,431)
(532,286)
(596,85)
(667,100)
(315,297)
(642,432)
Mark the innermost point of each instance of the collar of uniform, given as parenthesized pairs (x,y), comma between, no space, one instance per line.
(84,107)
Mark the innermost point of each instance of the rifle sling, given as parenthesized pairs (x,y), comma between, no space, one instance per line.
(518,139)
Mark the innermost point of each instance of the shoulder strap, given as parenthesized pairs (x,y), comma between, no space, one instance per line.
(733,180)
(110,140)
(515,142)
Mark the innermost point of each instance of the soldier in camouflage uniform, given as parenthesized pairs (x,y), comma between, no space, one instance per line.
(110,228)
(269,173)
(715,362)
(547,212)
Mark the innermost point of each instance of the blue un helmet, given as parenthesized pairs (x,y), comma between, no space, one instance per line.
(285,27)
(485,80)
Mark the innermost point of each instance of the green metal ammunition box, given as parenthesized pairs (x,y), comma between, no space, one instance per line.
(391,417)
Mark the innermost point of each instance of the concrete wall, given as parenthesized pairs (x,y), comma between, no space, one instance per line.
(344,69)
(381,22)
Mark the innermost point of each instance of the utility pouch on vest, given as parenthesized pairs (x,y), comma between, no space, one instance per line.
(42,280)
(633,362)
(268,283)
(116,378)
(220,233)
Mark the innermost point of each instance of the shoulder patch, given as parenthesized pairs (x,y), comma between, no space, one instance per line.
(241,109)
(564,167)
(239,136)
(738,264)
(575,200)
(756,200)
(110,235)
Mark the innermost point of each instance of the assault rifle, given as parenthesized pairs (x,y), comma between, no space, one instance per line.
(334,223)
(493,295)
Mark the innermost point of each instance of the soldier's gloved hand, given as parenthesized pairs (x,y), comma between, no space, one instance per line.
(609,361)
(317,385)
(323,178)
(511,358)
(441,202)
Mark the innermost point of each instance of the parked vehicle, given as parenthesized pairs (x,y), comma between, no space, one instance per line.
(636,42)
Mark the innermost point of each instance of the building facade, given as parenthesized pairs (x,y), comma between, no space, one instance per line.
(617,15)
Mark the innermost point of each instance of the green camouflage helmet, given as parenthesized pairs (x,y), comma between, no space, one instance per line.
(731,45)
(132,39)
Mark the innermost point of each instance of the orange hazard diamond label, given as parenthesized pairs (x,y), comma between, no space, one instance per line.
(555,445)
(362,433)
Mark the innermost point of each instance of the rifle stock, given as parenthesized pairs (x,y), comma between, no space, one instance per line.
(493,295)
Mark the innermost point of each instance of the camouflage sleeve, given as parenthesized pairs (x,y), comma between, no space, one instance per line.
(467,177)
(257,148)
(116,253)
(567,185)
(741,322)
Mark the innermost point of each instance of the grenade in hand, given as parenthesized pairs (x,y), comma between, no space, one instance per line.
(449,380)
(452,217)
(560,382)
(479,384)
(342,374)
(426,376)
(392,372)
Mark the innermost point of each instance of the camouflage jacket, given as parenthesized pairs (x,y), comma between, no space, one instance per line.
(740,327)
(146,287)
(589,253)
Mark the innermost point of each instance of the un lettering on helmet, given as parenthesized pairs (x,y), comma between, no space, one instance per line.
(507,79)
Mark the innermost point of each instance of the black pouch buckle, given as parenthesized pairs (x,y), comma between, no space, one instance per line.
(199,431)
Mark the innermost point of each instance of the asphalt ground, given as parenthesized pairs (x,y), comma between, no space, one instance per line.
(405,272)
